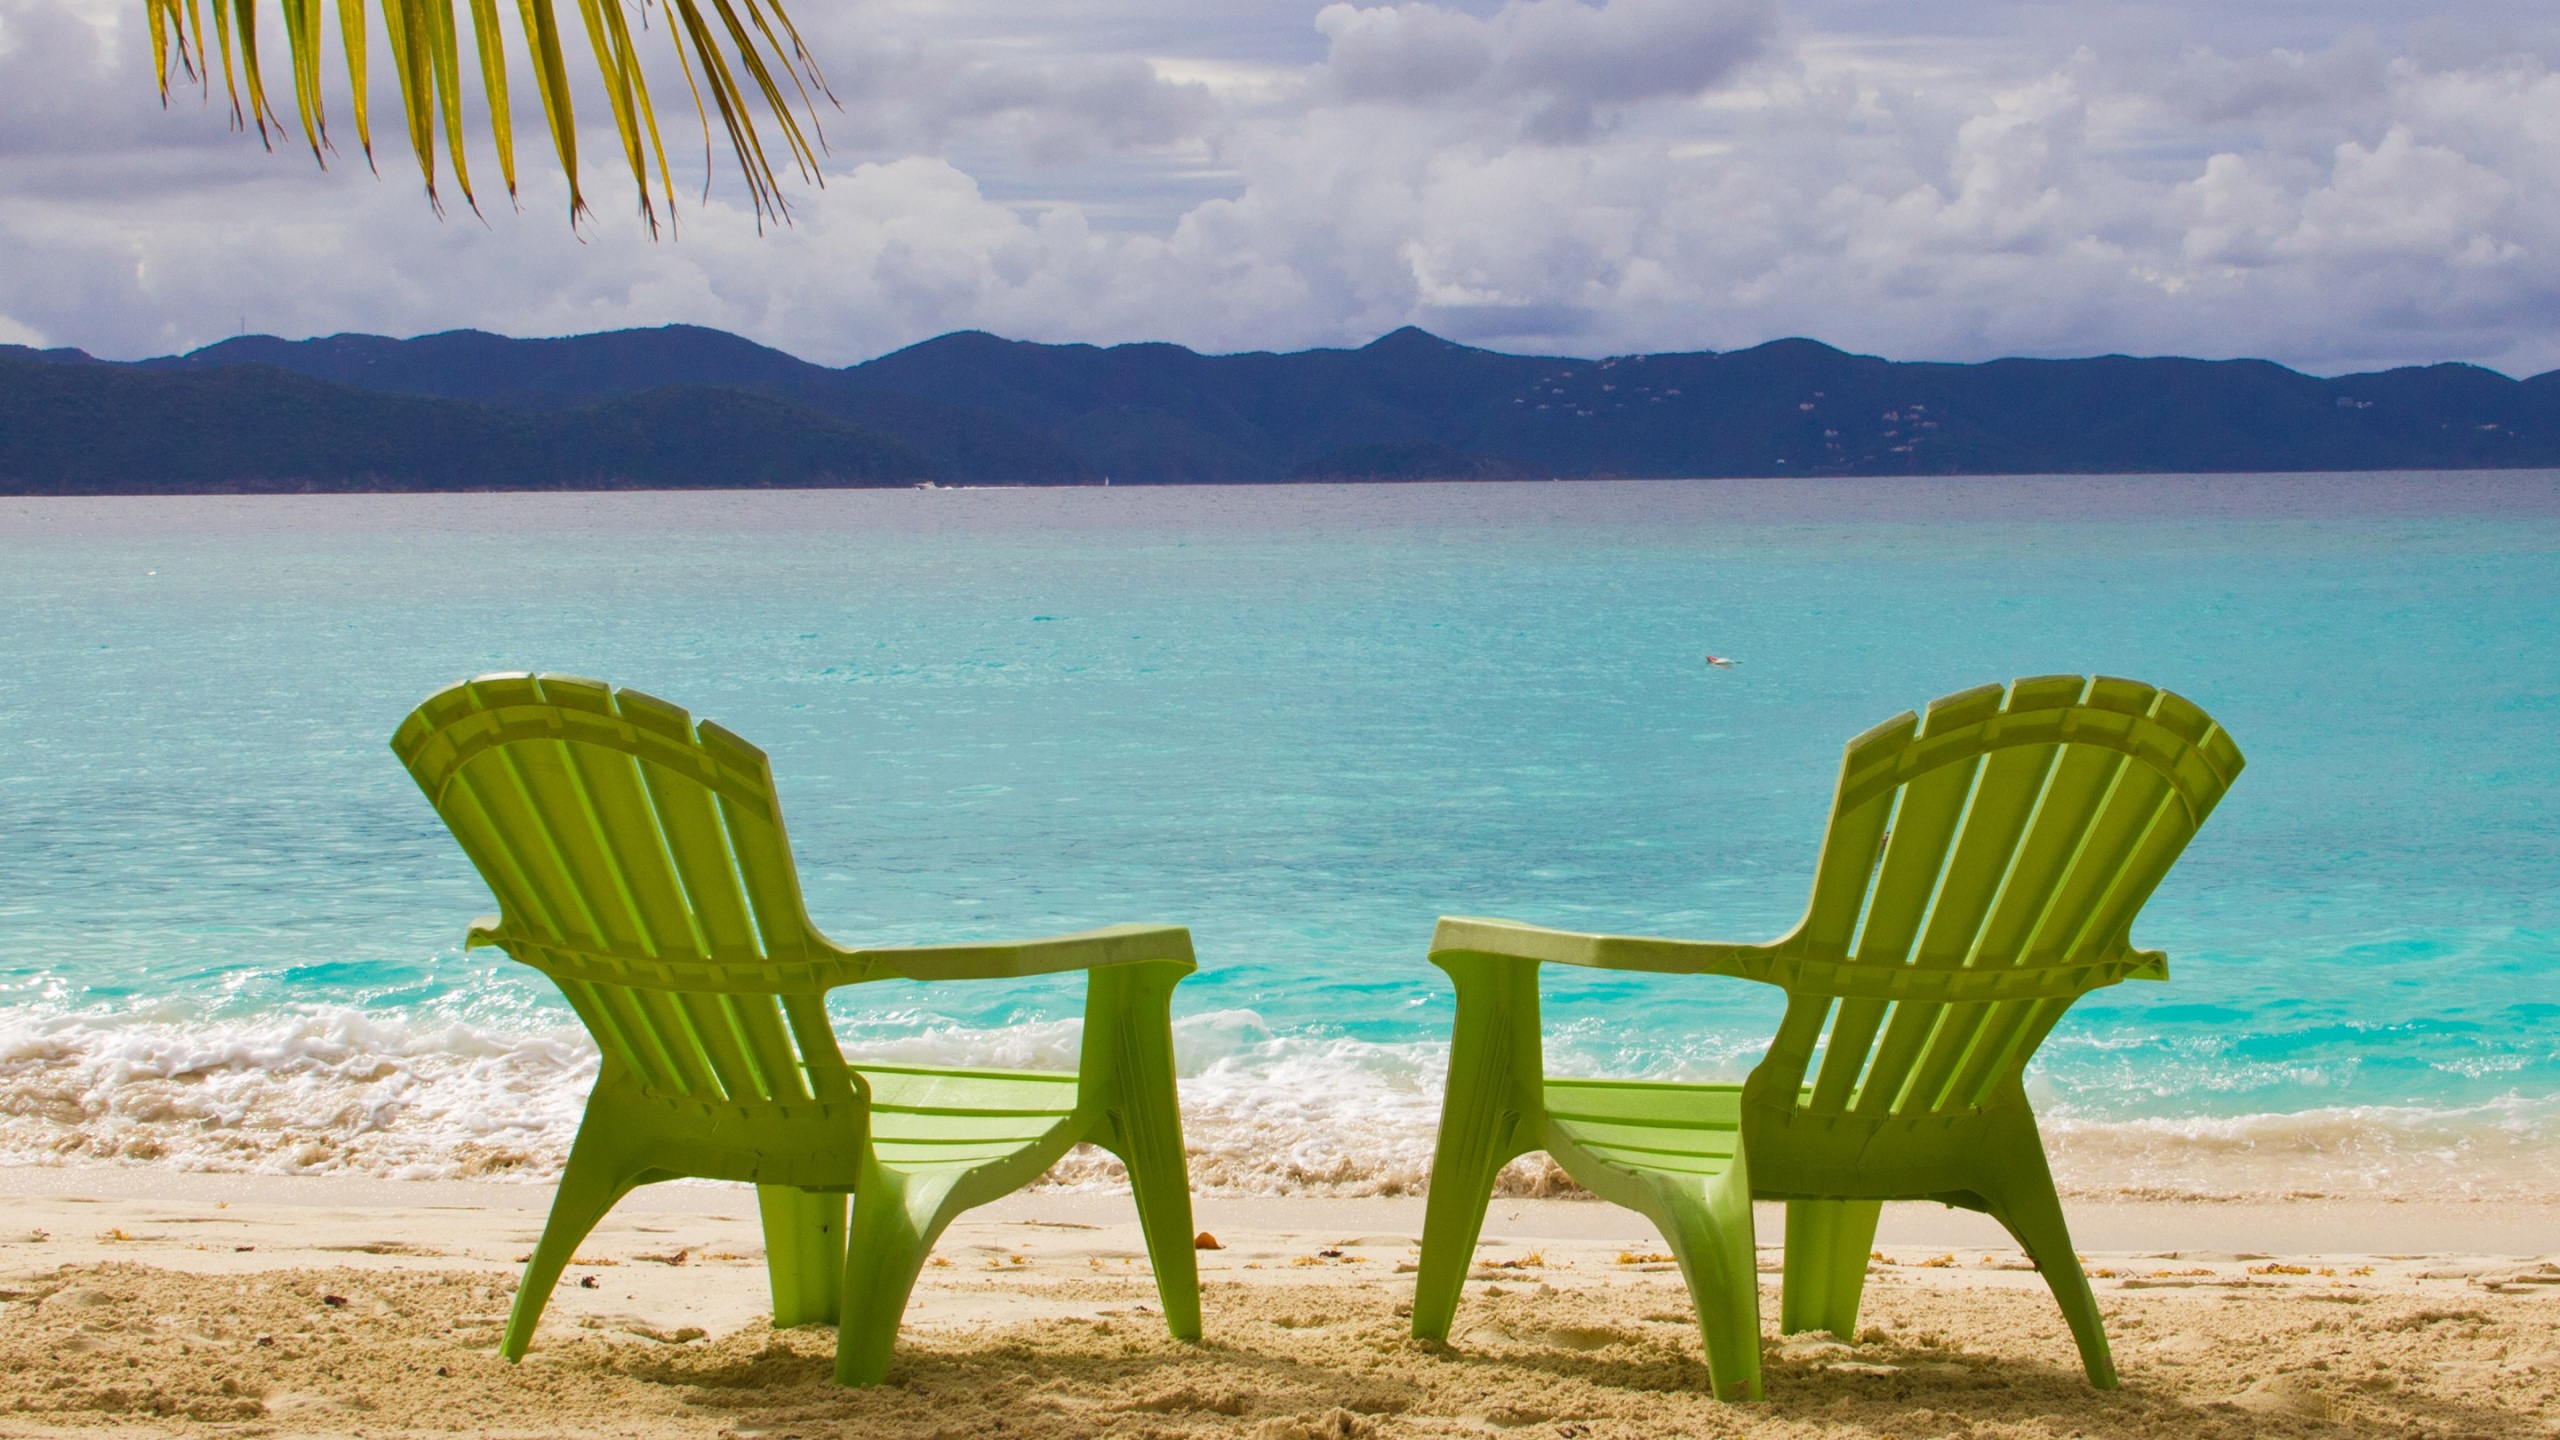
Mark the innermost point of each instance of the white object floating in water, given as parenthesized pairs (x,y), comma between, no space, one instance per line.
(1722,662)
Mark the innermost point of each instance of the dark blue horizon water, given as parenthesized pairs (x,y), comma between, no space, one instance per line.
(1304,721)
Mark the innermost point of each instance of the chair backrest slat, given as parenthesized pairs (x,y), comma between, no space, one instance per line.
(2146,864)
(618,1032)
(1844,1053)
(670,1031)
(758,1019)
(1923,828)
(1953,1028)
(763,857)
(2008,828)
(1912,1024)
(697,843)
(1848,861)
(1799,1030)
(2138,800)
(1994,821)
(828,1077)
(634,853)
(1910,876)
(635,1036)
(2074,789)
(2048,830)
(583,873)
(715,1031)
(2012,1031)
(624,841)
(513,828)
(1915,858)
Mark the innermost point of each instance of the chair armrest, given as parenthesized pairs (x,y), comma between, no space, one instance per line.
(1509,938)
(1772,965)
(1013,959)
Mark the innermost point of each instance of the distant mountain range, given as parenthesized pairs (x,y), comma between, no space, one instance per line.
(685,407)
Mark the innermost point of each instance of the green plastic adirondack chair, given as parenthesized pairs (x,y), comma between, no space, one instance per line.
(639,860)
(1982,870)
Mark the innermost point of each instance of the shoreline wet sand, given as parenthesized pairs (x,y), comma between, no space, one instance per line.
(144,1302)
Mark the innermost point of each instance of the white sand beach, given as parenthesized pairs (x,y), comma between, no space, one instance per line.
(153,1303)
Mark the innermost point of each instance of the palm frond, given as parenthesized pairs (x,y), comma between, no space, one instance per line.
(727,48)
(351,27)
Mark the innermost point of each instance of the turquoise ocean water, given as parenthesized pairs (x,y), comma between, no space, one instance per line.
(1304,721)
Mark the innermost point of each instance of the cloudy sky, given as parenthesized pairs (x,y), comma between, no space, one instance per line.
(2339,185)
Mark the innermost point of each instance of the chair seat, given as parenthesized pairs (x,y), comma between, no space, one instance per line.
(929,1117)
(1649,1126)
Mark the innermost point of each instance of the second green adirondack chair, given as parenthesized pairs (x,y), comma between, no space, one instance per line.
(1982,870)
(639,860)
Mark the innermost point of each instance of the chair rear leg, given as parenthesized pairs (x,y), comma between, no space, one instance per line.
(1147,1136)
(1828,1242)
(596,1176)
(1477,1138)
(896,1218)
(2033,1213)
(1710,1231)
(803,1253)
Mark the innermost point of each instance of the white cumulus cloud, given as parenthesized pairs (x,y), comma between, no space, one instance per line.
(1562,60)
(1571,175)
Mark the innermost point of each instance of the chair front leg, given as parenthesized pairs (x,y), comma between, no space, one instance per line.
(1490,1113)
(2027,1207)
(1128,1062)
(1710,1229)
(897,1216)
(603,1167)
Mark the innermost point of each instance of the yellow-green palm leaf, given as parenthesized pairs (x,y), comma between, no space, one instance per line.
(716,46)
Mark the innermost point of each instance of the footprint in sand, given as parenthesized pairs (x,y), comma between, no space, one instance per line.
(1813,1347)
(78,1297)
(2296,1395)
(301,1402)
(1563,1337)
(2181,1348)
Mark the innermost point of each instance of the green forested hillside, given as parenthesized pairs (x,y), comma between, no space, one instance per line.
(72,429)
(685,406)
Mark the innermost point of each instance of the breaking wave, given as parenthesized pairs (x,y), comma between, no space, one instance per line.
(320,1090)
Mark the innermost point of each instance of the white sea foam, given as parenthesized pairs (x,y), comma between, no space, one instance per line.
(311,1090)
(320,1090)
(2504,1149)
(1263,1113)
